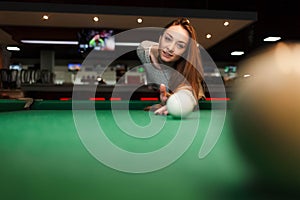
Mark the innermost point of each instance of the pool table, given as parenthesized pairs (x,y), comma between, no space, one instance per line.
(46,153)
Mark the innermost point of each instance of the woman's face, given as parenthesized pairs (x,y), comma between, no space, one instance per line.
(173,43)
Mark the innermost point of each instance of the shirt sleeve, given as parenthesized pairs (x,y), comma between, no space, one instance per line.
(143,51)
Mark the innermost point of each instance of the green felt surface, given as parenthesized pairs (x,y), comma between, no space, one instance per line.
(42,157)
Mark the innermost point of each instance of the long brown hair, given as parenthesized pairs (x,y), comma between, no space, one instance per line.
(189,65)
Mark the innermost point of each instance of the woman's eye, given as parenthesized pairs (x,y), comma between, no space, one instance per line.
(180,46)
(168,38)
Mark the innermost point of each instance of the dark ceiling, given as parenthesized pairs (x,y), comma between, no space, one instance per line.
(273,19)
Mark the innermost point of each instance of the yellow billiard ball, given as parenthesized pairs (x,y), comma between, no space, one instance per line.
(266,113)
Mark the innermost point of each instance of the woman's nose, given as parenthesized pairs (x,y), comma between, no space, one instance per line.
(171,47)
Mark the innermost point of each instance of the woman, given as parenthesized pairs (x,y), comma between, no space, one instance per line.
(176,51)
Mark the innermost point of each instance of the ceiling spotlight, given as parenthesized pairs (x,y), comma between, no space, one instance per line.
(96,19)
(226,23)
(208,36)
(272,39)
(237,53)
(12,48)
(45,17)
(139,20)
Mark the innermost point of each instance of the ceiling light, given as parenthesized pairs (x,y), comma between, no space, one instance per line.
(237,53)
(127,44)
(226,23)
(272,39)
(208,36)
(139,20)
(49,42)
(247,75)
(45,17)
(96,19)
(74,42)
(12,48)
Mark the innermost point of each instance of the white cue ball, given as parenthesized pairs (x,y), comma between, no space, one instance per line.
(181,104)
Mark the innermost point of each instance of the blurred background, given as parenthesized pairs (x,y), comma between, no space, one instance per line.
(49,40)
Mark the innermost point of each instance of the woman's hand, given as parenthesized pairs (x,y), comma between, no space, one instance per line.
(163,94)
(163,98)
(161,111)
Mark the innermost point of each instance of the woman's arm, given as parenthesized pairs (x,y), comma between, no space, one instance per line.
(147,51)
(143,51)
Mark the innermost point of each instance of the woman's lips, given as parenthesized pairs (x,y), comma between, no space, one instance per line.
(166,55)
